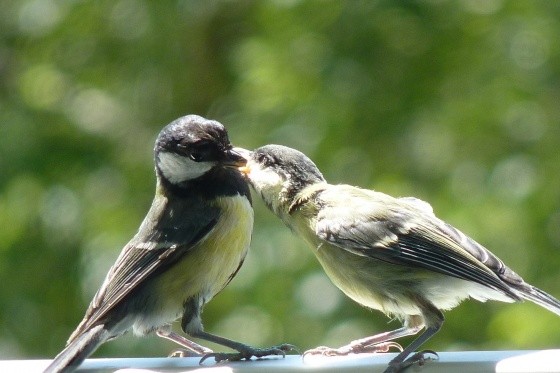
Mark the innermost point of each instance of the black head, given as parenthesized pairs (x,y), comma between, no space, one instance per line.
(190,147)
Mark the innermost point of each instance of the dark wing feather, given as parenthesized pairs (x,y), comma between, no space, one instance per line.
(163,238)
(405,232)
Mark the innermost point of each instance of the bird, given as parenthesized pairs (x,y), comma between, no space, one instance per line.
(189,246)
(388,254)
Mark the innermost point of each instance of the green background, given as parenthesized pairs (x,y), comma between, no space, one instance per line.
(454,102)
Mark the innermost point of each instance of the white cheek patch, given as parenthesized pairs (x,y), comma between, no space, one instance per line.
(267,183)
(264,179)
(178,169)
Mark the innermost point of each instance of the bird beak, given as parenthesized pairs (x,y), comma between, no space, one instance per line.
(246,154)
(233,159)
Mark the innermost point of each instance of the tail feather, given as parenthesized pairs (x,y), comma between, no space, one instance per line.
(542,299)
(78,350)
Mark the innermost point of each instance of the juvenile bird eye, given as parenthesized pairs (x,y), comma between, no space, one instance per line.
(264,159)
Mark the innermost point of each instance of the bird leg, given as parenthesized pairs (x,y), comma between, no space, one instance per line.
(434,319)
(378,343)
(419,358)
(401,362)
(192,348)
(244,352)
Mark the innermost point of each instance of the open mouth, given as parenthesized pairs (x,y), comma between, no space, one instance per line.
(246,170)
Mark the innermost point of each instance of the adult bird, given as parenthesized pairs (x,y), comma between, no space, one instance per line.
(389,254)
(189,247)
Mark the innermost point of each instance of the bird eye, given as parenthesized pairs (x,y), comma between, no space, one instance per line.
(196,156)
(264,159)
(202,151)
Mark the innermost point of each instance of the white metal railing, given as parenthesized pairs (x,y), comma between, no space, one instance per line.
(473,361)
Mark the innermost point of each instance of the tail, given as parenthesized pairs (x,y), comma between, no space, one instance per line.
(78,350)
(541,298)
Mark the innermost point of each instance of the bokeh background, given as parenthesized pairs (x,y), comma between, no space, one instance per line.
(454,102)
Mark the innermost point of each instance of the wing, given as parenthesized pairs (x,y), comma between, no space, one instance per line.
(406,232)
(163,238)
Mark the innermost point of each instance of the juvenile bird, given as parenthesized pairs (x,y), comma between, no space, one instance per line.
(189,247)
(389,254)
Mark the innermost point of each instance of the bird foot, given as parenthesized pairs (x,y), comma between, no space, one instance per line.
(353,349)
(419,358)
(183,352)
(248,353)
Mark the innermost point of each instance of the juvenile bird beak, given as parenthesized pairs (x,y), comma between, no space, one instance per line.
(243,152)
(246,154)
(234,159)
(246,170)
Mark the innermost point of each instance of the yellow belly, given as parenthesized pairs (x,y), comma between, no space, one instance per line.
(207,268)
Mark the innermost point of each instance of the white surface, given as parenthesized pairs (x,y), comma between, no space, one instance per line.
(474,361)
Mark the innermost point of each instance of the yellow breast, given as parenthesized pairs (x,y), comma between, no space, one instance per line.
(228,242)
(207,268)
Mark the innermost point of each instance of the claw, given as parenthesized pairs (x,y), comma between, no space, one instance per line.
(249,353)
(419,358)
(324,351)
(182,352)
(353,349)
(287,347)
(221,356)
(321,351)
(377,347)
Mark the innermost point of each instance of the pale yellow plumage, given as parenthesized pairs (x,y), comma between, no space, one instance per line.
(386,253)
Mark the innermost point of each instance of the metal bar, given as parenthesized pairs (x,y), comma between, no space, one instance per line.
(472,361)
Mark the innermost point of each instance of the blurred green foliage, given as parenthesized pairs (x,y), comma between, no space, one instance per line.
(455,102)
